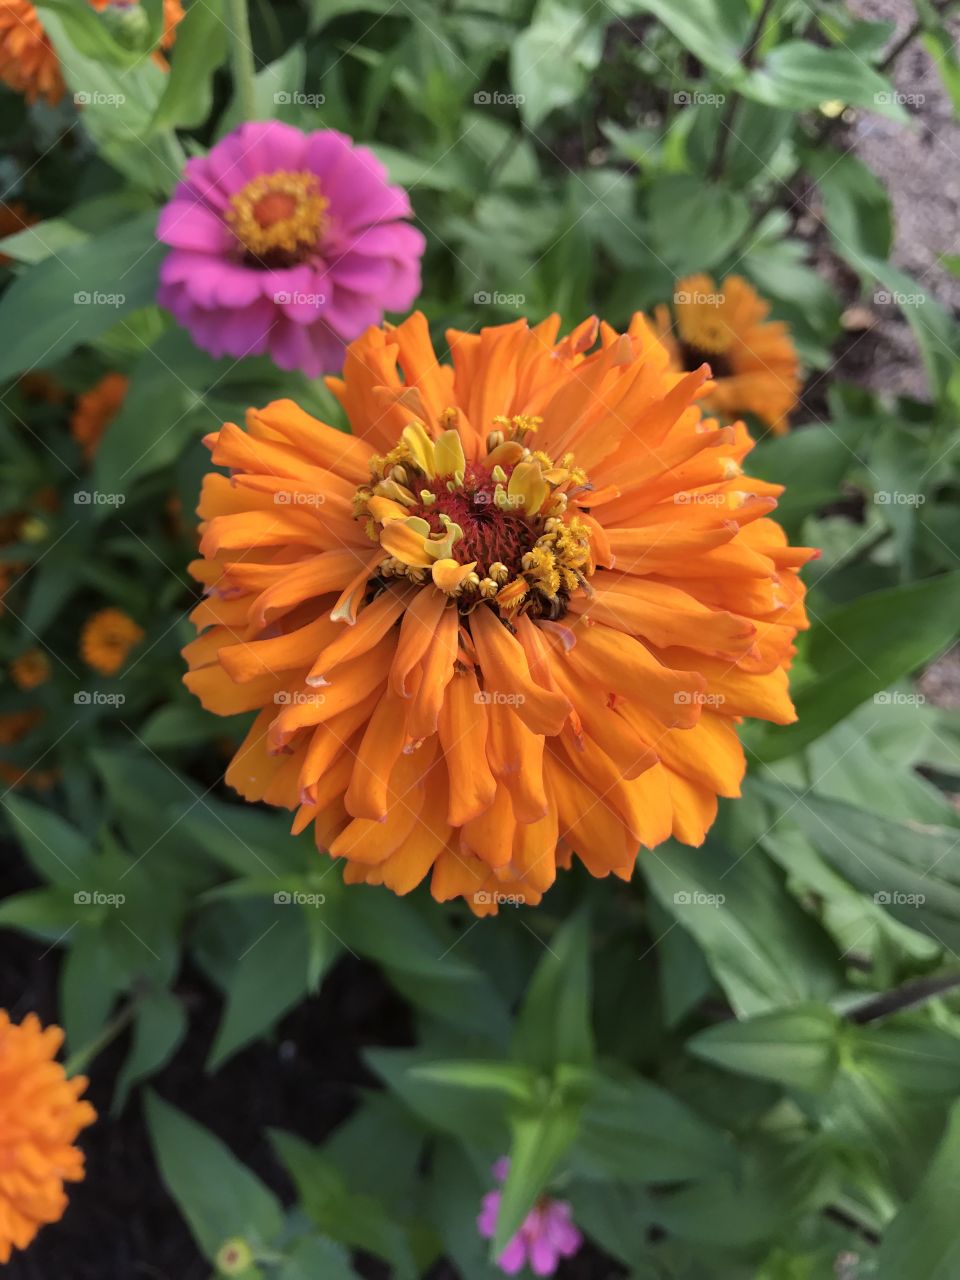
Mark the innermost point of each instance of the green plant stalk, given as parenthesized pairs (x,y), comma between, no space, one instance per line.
(77,1061)
(241,57)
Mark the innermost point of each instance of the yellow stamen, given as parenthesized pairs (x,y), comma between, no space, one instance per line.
(279,213)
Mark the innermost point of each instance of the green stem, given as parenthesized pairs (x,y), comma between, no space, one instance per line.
(77,1061)
(241,57)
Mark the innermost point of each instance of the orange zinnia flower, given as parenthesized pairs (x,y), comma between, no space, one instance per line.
(107,639)
(95,410)
(752,359)
(40,1116)
(516,615)
(28,61)
(30,670)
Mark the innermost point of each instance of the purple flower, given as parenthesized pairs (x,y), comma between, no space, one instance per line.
(287,243)
(546,1235)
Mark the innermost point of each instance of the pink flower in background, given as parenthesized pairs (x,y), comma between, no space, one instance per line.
(286,243)
(546,1236)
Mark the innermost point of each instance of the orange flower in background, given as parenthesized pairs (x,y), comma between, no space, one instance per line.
(752,359)
(14,727)
(28,60)
(30,670)
(106,640)
(95,410)
(516,615)
(41,1114)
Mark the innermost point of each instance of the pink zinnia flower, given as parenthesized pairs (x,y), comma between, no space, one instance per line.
(546,1236)
(288,243)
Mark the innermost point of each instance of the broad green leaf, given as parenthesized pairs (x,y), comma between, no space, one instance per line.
(313,1258)
(160,1026)
(539,1141)
(69,299)
(478,1118)
(554,1023)
(715,31)
(359,1221)
(922,1242)
(811,462)
(551,62)
(219,1197)
(799,74)
(637,1132)
(508,1078)
(860,649)
(762,948)
(90,981)
(57,851)
(933,327)
(856,204)
(798,1047)
(269,978)
(202,39)
(690,230)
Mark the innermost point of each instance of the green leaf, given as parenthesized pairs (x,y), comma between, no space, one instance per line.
(540,1140)
(922,1242)
(860,649)
(715,31)
(201,47)
(857,205)
(219,1197)
(315,1257)
(690,230)
(71,298)
(508,1078)
(359,1221)
(798,1047)
(551,62)
(637,1132)
(811,461)
(763,949)
(269,978)
(160,1026)
(57,851)
(798,74)
(554,1023)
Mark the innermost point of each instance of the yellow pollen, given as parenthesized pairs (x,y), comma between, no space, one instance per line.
(703,326)
(279,213)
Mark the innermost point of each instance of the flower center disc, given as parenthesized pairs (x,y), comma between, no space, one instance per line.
(278,218)
(497,529)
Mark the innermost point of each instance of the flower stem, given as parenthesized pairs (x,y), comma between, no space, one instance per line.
(77,1061)
(241,57)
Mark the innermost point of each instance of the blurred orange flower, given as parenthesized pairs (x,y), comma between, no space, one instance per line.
(95,410)
(28,61)
(106,640)
(30,669)
(41,1114)
(518,613)
(752,359)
